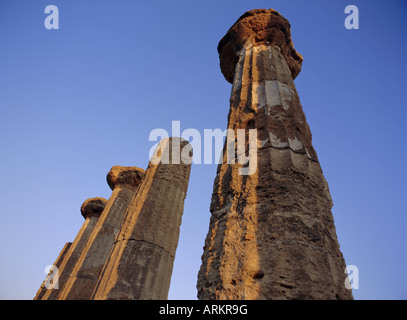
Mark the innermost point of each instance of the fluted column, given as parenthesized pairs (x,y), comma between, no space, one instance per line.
(141,261)
(43,289)
(82,281)
(271,233)
(90,210)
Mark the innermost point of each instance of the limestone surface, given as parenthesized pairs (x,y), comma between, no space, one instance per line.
(140,263)
(271,233)
(91,210)
(125,177)
(124,182)
(43,289)
(93,207)
(255,27)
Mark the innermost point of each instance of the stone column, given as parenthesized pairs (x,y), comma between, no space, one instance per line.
(124,182)
(91,210)
(140,264)
(271,233)
(42,290)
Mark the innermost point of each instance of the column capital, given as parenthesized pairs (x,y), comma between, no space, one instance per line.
(93,207)
(256,27)
(127,177)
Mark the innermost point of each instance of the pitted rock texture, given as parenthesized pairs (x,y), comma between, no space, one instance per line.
(127,177)
(140,263)
(258,26)
(91,210)
(93,207)
(83,279)
(43,289)
(271,233)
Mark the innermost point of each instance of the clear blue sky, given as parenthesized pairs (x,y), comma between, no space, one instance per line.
(78,100)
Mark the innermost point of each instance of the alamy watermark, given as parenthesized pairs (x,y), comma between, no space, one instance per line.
(52,19)
(352,20)
(352,280)
(241,146)
(52,279)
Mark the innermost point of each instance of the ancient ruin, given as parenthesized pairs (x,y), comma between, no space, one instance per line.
(91,210)
(49,279)
(124,182)
(141,261)
(271,233)
(126,247)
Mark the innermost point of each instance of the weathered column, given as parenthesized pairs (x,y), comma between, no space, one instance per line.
(271,233)
(43,289)
(91,210)
(81,283)
(140,264)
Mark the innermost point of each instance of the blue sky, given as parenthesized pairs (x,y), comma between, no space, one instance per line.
(76,101)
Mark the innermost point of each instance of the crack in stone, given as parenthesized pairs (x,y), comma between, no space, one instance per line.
(145,241)
(286,148)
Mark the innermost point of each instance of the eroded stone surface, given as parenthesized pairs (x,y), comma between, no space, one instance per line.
(93,207)
(127,177)
(83,279)
(91,210)
(141,261)
(271,233)
(43,289)
(256,27)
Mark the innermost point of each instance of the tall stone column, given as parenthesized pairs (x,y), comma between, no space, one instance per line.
(271,233)
(140,264)
(43,289)
(91,210)
(82,281)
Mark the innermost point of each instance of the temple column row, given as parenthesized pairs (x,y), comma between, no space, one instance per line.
(126,246)
(91,210)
